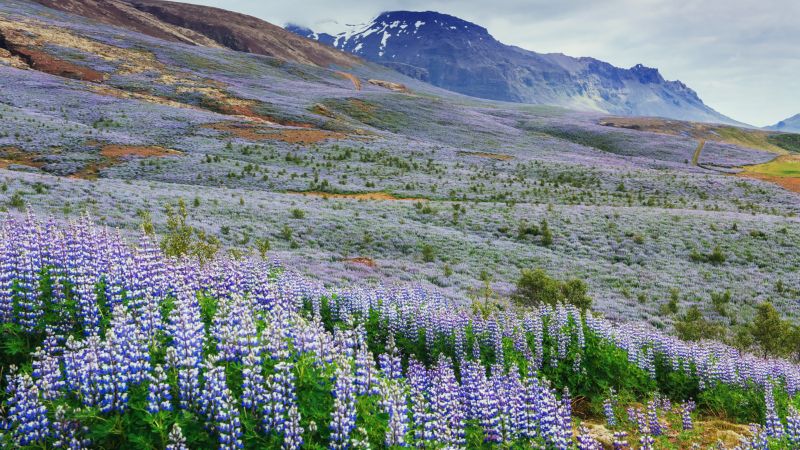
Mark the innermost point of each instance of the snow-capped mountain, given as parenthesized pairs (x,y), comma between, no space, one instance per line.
(791,125)
(463,57)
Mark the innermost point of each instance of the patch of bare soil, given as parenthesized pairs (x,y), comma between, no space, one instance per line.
(114,154)
(353,79)
(120,151)
(257,132)
(788,183)
(380,196)
(12,155)
(496,156)
(363,261)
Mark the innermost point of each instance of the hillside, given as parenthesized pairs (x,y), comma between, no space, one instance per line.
(790,125)
(480,177)
(201,25)
(463,57)
(208,248)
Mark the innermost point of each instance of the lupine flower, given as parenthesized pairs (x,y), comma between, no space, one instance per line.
(652,419)
(293,432)
(686,415)
(220,408)
(280,396)
(586,441)
(793,426)
(67,433)
(646,442)
(774,427)
(394,403)
(26,411)
(159,397)
(344,406)
(620,441)
(175,439)
(608,409)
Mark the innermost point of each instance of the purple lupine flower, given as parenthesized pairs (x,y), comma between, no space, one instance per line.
(47,370)
(608,410)
(187,334)
(26,411)
(652,419)
(620,441)
(366,373)
(586,441)
(773,427)
(448,418)
(394,403)
(253,382)
(390,362)
(175,439)
(67,433)
(344,406)
(280,396)
(646,442)
(686,415)
(220,407)
(793,426)
(293,432)
(419,384)
(159,397)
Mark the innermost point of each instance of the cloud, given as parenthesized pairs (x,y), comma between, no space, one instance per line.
(741,56)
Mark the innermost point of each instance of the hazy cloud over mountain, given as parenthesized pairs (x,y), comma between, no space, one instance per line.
(742,56)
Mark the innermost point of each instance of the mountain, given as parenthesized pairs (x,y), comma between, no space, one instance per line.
(792,125)
(463,57)
(205,26)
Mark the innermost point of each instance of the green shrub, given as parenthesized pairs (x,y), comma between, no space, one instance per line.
(535,287)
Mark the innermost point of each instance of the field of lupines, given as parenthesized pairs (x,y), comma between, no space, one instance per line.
(401,222)
(627,209)
(108,345)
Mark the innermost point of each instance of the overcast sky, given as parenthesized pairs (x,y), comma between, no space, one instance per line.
(741,56)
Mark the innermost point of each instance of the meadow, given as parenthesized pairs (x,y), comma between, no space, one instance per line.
(341,257)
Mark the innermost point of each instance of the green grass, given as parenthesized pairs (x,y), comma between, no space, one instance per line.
(790,142)
(784,166)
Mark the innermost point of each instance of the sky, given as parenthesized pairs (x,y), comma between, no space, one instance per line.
(741,56)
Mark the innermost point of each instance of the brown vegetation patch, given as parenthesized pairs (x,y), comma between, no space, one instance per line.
(12,155)
(258,132)
(362,260)
(497,156)
(120,151)
(358,196)
(396,87)
(353,79)
(788,183)
(114,154)
(43,62)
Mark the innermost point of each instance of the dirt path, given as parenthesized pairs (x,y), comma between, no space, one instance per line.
(353,79)
(696,156)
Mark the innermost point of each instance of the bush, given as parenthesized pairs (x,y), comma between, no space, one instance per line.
(535,287)
(428,253)
(692,326)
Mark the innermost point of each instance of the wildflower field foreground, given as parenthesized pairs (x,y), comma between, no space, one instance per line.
(109,345)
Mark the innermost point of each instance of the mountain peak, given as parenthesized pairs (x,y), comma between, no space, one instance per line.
(432,20)
(461,56)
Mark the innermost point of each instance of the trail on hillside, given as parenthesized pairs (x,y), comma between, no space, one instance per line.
(697,152)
